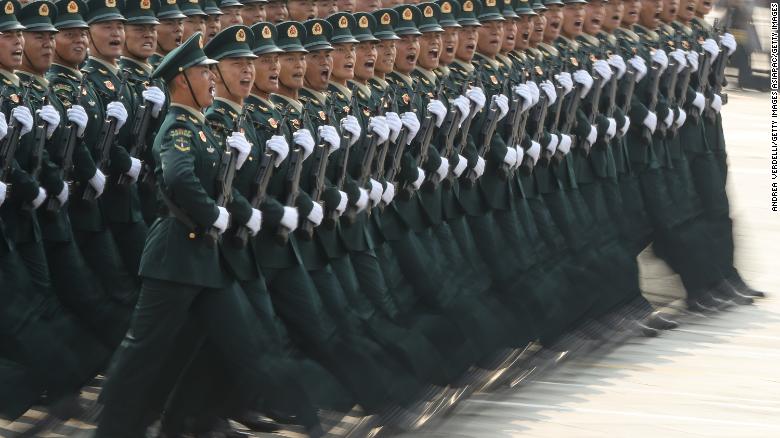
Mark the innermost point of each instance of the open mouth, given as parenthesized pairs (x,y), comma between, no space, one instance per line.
(691,7)
(411,58)
(707,3)
(115,43)
(526,35)
(595,22)
(369,64)
(297,76)
(616,17)
(471,46)
(245,82)
(273,78)
(178,40)
(673,12)
(555,25)
(147,45)
(325,74)
(657,15)
(433,54)
(578,24)
(450,49)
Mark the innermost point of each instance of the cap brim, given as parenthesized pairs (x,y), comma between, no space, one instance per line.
(449,23)
(205,61)
(266,50)
(384,36)
(491,17)
(431,28)
(41,28)
(512,14)
(214,11)
(14,25)
(403,32)
(173,15)
(111,16)
(343,40)
(318,46)
(293,48)
(525,12)
(364,38)
(142,20)
(469,22)
(72,24)
(240,53)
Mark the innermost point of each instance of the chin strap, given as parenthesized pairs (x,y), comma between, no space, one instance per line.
(192,92)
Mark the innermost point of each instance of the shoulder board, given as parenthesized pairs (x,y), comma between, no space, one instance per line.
(181,117)
(7,82)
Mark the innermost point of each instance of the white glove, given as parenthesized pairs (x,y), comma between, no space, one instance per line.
(117,110)
(640,67)
(62,196)
(315,215)
(290,218)
(728,41)
(461,166)
(511,157)
(23,116)
(549,90)
(717,103)
(464,106)
(603,69)
(329,135)
(443,170)
(98,182)
(156,97)
(477,96)
(78,116)
(412,123)
(534,89)
(3,189)
(389,193)
(617,62)
(659,57)
(534,151)
(242,147)
(611,128)
(52,118)
(565,144)
(479,167)
(699,101)
(303,138)
(420,178)
(362,201)
(255,222)
(342,206)
(375,195)
(650,121)
(591,138)
(584,78)
(552,146)
(135,169)
(564,78)
(679,57)
(438,109)
(681,117)
(711,47)
(39,199)
(524,93)
(378,126)
(520,155)
(626,125)
(3,127)
(669,119)
(278,144)
(503,105)
(693,60)
(394,123)
(350,124)
(223,219)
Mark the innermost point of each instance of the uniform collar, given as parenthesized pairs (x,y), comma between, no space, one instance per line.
(590,39)
(404,77)
(504,59)
(146,67)
(11,76)
(112,68)
(72,71)
(492,62)
(344,90)
(319,95)
(427,74)
(569,43)
(702,22)
(467,66)
(629,32)
(298,106)
(548,48)
(234,106)
(39,79)
(192,111)
(684,27)
(379,81)
(261,100)
(365,89)
(445,70)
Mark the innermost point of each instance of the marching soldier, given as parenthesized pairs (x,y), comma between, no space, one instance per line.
(231,13)
(213,19)
(195,20)
(170,31)
(252,11)
(276,11)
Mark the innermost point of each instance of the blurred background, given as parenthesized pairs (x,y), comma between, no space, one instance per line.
(749,22)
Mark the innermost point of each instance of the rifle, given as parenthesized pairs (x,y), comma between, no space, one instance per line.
(332,217)
(571,115)
(630,79)
(141,124)
(488,128)
(398,151)
(539,117)
(293,179)
(422,141)
(613,85)
(655,79)
(39,142)
(705,63)
(70,133)
(10,144)
(106,140)
(719,70)
(673,100)
(381,154)
(306,230)
(464,128)
(449,128)
(514,126)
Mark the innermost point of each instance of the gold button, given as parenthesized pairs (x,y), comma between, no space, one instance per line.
(192,235)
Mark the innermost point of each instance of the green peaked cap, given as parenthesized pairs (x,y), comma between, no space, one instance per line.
(189,54)
(70,14)
(232,42)
(141,11)
(38,16)
(290,35)
(408,19)
(265,38)
(342,23)
(104,10)
(318,34)
(8,20)
(386,20)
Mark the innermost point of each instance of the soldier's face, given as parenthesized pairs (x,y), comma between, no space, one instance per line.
(39,50)
(276,12)
(467,43)
(650,14)
(613,14)
(687,11)
(391,3)
(703,7)
(539,23)
(71,46)
(343,62)
(365,60)
(430,48)
(213,26)
(319,65)
(510,35)
(267,73)
(631,12)
(573,19)
(523,32)
(193,24)
(554,18)
(237,76)
(346,5)
(385,56)
(170,34)
(407,49)
(292,70)
(449,44)
(230,17)
(491,37)
(326,8)
(203,83)
(107,38)
(11,49)
(253,13)
(301,10)
(367,5)
(140,40)
(594,17)
(670,9)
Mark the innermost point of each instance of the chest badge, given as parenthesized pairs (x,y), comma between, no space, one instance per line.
(296,123)
(202,136)
(405,98)
(494,79)
(109,85)
(14,98)
(322,116)
(366,112)
(274,124)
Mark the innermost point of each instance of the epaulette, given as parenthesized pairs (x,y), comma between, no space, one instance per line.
(219,109)
(181,117)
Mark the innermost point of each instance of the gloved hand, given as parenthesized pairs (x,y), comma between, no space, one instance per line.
(135,169)
(698,102)
(603,69)
(52,118)
(477,96)
(255,222)
(525,94)
(503,105)
(728,41)
(669,119)
(342,206)
(681,117)
(438,109)
(443,170)
(241,146)
(650,121)
(711,47)
(626,125)
(278,144)
(420,178)
(389,193)
(303,138)
(679,57)
(639,66)
(479,167)
(117,110)
(659,57)
(693,60)
(350,124)
(616,61)
(565,144)
(584,78)
(78,116)
(39,199)
(464,106)
(62,196)
(375,195)
(591,138)
(461,166)
(717,103)
(564,78)
(611,128)
(520,155)
(24,117)
(552,145)
(412,123)
(534,89)
(394,123)
(156,97)
(315,215)
(549,90)
(511,157)
(98,182)
(378,126)
(290,218)
(3,127)
(329,135)
(3,189)
(362,201)
(223,220)
(534,151)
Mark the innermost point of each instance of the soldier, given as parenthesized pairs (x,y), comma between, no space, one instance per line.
(213,19)
(169,32)
(325,8)
(195,20)
(276,11)
(301,10)
(252,11)
(231,13)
